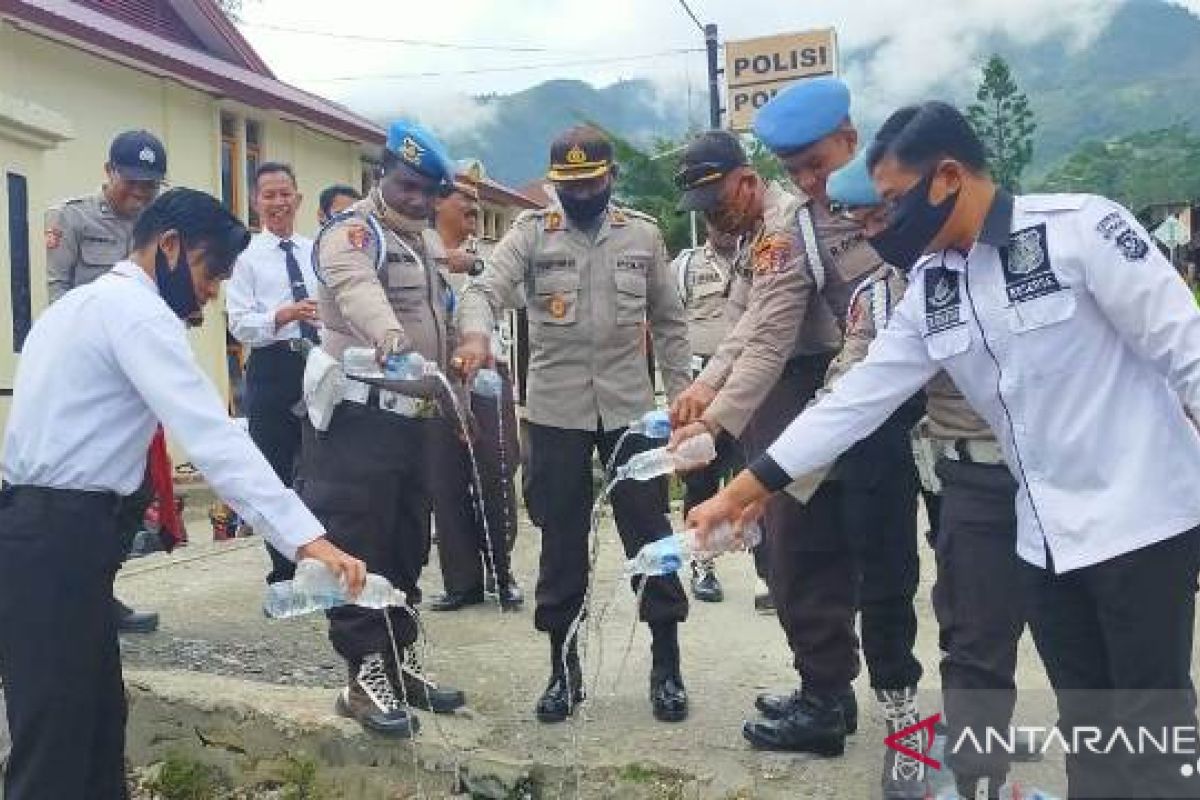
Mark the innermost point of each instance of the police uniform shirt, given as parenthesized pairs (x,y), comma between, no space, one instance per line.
(371,286)
(84,239)
(703,276)
(260,286)
(784,316)
(86,406)
(1075,339)
(587,300)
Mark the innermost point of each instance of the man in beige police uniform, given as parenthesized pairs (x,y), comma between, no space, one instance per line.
(365,475)
(594,274)
(473,550)
(85,237)
(765,371)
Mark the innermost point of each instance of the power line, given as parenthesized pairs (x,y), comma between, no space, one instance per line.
(692,14)
(513,68)
(391,40)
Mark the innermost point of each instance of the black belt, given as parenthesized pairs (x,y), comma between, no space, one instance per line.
(807,364)
(10,492)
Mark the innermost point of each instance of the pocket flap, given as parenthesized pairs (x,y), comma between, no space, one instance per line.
(556,282)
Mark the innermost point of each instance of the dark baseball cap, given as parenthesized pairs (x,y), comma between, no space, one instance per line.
(138,156)
(580,153)
(709,158)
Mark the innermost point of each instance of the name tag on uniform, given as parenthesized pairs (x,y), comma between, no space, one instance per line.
(637,263)
(99,239)
(400,258)
(554,264)
(1026,265)
(943,301)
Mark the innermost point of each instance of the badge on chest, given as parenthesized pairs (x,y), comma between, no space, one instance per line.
(1027,272)
(943,300)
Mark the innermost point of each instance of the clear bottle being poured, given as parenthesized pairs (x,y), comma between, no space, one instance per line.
(650,464)
(316,588)
(653,425)
(668,554)
(488,383)
(360,362)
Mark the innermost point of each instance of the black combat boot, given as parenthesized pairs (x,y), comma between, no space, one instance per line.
(816,723)
(564,693)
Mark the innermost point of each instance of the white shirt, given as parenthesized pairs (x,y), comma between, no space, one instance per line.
(1077,352)
(259,286)
(99,368)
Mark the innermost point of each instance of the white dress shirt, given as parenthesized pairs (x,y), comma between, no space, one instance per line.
(98,370)
(1077,350)
(259,286)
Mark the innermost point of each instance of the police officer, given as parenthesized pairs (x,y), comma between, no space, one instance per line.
(593,274)
(704,276)
(474,550)
(85,237)
(365,476)
(765,371)
(1076,341)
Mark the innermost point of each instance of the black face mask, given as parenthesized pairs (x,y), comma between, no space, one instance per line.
(584,210)
(175,286)
(915,223)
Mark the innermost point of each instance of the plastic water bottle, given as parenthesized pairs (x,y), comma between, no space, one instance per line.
(488,383)
(410,366)
(653,425)
(668,554)
(316,588)
(690,454)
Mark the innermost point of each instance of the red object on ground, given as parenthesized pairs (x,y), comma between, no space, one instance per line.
(162,479)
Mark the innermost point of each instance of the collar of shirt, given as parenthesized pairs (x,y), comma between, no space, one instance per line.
(128,269)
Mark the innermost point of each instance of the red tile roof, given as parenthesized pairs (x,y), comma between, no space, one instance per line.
(75,24)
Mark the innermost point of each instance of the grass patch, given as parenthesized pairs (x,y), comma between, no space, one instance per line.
(181,778)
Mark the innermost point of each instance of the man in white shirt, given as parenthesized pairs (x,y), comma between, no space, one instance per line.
(1075,340)
(271,310)
(100,367)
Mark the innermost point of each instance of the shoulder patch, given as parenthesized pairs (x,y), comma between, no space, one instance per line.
(359,237)
(1115,228)
(54,237)
(771,254)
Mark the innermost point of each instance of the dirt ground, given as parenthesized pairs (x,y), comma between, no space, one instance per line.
(216,649)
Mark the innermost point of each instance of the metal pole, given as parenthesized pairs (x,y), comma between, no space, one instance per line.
(714,73)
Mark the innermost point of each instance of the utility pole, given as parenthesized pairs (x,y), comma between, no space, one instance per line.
(714,76)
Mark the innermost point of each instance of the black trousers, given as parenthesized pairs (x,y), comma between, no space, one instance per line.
(1116,639)
(365,480)
(562,494)
(813,570)
(879,516)
(274,384)
(701,484)
(980,611)
(59,658)
(466,548)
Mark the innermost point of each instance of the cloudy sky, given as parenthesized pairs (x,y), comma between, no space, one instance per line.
(443,52)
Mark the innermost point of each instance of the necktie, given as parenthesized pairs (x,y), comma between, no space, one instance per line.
(299,289)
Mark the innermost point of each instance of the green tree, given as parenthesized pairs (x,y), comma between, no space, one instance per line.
(1002,118)
(1159,166)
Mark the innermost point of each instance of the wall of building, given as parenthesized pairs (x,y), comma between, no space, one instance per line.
(98,98)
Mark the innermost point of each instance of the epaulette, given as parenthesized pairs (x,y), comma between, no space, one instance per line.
(368,237)
(621,215)
(1044,203)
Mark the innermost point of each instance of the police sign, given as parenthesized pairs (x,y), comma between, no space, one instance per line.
(757,69)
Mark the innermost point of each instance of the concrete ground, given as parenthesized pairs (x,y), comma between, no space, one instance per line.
(218,671)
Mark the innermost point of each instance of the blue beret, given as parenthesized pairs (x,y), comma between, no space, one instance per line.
(420,149)
(803,113)
(851,185)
